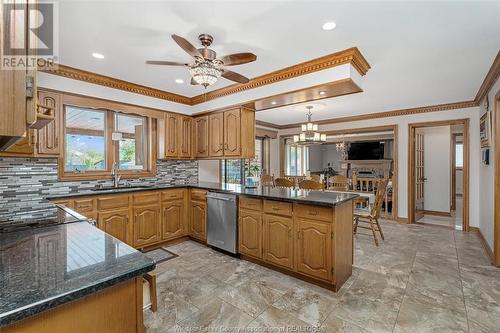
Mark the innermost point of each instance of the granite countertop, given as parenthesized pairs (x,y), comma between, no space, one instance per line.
(45,267)
(321,198)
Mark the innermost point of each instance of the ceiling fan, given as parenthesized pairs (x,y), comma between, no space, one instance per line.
(207,68)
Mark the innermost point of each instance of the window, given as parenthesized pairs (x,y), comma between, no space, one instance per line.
(132,147)
(296,159)
(85,148)
(231,170)
(459,155)
(96,139)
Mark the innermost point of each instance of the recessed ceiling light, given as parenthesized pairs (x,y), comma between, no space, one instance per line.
(273,103)
(329,25)
(97,55)
(322,92)
(179,81)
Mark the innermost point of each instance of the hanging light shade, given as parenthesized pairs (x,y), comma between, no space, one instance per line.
(309,134)
(205,73)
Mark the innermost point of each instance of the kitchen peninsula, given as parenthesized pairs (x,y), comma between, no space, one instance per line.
(307,234)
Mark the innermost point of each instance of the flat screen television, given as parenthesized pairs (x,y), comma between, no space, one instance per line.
(372,150)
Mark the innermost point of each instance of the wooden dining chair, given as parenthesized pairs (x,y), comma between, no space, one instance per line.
(339,183)
(267,180)
(371,216)
(316,178)
(309,184)
(283,182)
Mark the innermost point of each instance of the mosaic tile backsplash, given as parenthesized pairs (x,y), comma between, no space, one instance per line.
(24,182)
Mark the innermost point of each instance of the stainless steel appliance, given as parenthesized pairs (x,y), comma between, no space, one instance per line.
(222,225)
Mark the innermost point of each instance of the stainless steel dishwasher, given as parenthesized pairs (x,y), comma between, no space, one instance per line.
(222,225)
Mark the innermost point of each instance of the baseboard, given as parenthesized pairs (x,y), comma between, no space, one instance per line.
(402,220)
(486,246)
(436,213)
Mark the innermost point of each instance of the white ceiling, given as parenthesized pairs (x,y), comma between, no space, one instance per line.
(421,53)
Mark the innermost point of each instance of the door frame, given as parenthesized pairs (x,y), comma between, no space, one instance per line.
(453,194)
(411,166)
(496,180)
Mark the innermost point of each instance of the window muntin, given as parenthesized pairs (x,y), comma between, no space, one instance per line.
(132,147)
(85,140)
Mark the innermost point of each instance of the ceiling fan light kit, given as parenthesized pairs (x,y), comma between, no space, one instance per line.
(207,69)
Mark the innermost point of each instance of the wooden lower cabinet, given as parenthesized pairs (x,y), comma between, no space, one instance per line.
(147,228)
(250,233)
(116,223)
(173,219)
(198,220)
(278,240)
(313,253)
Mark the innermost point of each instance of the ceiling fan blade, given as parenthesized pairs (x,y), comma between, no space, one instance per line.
(238,58)
(166,63)
(187,46)
(233,76)
(193,82)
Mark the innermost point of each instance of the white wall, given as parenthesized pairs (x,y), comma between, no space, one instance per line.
(274,155)
(437,168)
(486,176)
(402,122)
(208,171)
(459,181)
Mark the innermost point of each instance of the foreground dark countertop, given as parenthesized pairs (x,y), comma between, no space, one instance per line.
(321,198)
(45,267)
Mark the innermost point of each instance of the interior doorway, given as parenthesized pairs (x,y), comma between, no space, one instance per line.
(438,170)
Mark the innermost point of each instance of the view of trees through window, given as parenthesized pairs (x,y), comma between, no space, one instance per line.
(132,147)
(85,140)
(231,170)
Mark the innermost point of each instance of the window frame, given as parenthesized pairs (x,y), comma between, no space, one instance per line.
(111,148)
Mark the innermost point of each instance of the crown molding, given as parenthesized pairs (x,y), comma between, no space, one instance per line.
(385,114)
(110,82)
(490,79)
(350,56)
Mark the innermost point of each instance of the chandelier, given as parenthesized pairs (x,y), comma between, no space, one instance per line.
(205,73)
(342,148)
(309,134)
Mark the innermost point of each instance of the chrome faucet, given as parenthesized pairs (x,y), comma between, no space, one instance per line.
(114,176)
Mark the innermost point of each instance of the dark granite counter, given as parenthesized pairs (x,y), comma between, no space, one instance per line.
(41,268)
(321,198)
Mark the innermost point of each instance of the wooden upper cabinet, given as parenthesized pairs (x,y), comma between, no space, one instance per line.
(146,225)
(232,133)
(278,240)
(314,248)
(250,233)
(200,136)
(185,137)
(216,135)
(50,136)
(172,135)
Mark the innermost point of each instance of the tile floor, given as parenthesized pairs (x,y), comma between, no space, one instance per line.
(447,221)
(420,279)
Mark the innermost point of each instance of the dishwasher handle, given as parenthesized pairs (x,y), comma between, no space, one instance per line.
(219,198)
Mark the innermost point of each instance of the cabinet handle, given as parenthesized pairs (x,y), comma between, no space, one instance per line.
(126,220)
(313,212)
(298,234)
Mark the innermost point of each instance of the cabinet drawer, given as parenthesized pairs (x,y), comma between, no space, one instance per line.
(314,212)
(63,202)
(146,198)
(112,202)
(84,205)
(251,203)
(172,195)
(278,207)
(200,195)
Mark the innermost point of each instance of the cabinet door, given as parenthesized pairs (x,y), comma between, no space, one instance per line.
(198,220)
(278,240)
(115,223)
(250,233)
(24,147)
(185,137)
(200,136)
(232,133)
(171,135)
(146,225)
(216,135)
(49,136)
(173,219)
(314,248)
